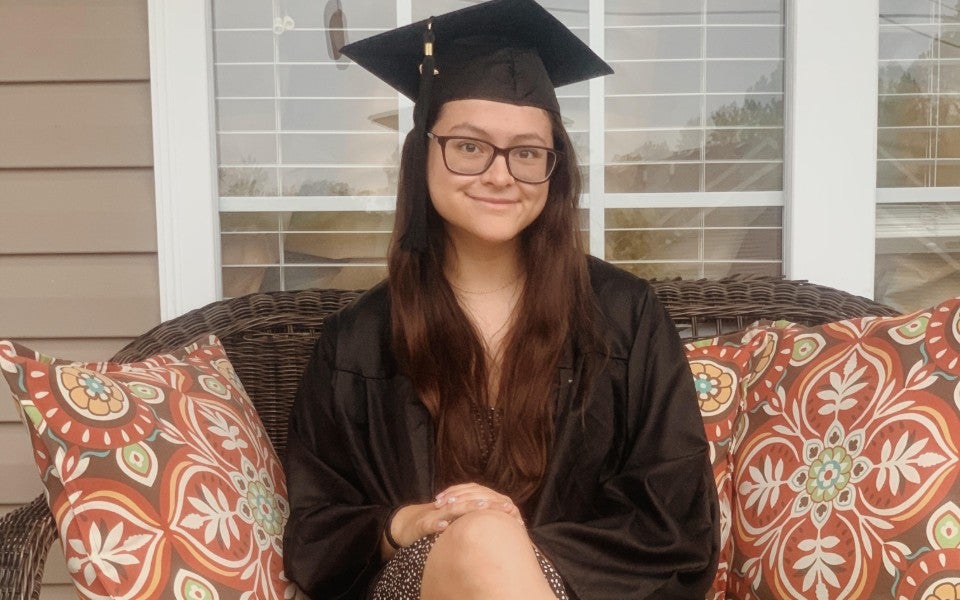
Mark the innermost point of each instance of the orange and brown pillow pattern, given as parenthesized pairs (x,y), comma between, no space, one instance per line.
(721,369)
(844,457)
(159,474)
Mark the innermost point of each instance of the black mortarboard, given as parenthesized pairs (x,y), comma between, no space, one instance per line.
(511,51)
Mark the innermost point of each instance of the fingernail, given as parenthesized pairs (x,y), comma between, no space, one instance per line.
(438,501)
(451,499)
(442,525)
(505,505)
(482,503)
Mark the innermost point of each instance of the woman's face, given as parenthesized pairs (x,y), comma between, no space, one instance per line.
(491,207)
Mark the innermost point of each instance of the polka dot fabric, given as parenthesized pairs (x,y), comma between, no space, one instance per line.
(402,575)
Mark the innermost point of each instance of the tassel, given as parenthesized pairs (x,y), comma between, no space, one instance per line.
(415,238)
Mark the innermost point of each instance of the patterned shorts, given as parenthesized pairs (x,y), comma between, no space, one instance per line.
(401,577)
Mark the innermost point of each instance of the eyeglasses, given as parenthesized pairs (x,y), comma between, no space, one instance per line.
(469,156)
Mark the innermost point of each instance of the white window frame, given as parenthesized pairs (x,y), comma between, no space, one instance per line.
(184,154)
(830,150)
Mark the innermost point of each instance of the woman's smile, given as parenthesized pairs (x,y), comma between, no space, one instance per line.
(494,201)
(491,207)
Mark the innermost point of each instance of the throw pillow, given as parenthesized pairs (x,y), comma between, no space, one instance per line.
(847,461)
(159,474)
(721,368)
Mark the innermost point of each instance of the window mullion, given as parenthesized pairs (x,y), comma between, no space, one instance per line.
(404,104)
(597,216)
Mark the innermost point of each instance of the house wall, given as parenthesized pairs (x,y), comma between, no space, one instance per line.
(78,261)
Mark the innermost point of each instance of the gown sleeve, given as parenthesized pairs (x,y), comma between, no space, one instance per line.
(653,527)
(331,540)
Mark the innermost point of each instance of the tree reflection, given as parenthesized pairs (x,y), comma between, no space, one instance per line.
(918,255)
(747,130)
(749,134)
(377,182)
(918,96)
(242,182)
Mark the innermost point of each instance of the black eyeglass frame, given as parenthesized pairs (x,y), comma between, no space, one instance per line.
(497,151)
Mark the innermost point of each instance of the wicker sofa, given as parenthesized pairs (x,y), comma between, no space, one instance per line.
(268,337)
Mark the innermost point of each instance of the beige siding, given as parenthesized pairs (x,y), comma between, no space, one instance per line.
(57,592)
(56,579)
(48,211)
(15,445)
(78,234)
(73,40)
(95,295)
(74,125)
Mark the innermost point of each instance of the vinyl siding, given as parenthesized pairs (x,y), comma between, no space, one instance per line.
(47,201)
(78,232)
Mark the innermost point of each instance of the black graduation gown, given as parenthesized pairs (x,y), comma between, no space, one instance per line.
(628,508)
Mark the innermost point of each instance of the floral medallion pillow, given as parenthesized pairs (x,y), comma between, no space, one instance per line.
(722,367)
(159,474)
(846,470)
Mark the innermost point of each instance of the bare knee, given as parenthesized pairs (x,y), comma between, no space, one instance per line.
(483,555)
(481,542)
(485,531)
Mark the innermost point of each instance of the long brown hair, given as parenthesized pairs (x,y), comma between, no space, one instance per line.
(438,348)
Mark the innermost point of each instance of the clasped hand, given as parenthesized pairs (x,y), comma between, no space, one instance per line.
(415,521)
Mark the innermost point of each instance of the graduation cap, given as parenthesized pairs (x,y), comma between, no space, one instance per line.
(511,51)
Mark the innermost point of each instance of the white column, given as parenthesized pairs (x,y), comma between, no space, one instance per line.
(832,49)
(185,169)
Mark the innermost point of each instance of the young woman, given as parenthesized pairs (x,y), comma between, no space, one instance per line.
(504,417)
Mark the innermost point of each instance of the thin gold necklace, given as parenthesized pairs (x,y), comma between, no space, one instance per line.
(512,301)
(485,292)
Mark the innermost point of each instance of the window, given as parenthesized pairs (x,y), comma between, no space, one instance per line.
(682,149)
(307,146)
(693,137)
(918,154)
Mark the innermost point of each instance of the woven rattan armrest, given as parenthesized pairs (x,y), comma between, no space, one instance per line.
(26,535)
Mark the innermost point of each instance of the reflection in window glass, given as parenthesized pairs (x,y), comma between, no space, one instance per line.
(695,106)
(918,254)
(919,102)
(310,142)
(272,250)
(244,181)
(918,146)
(745,12)
(296,119)
(293,118)
(695,242)
(713,68)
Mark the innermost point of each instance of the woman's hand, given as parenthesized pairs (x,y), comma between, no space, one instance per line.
(465,497)
(415,521)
